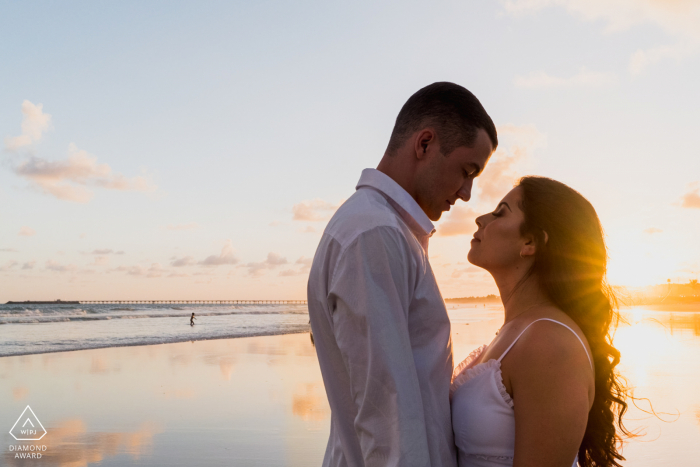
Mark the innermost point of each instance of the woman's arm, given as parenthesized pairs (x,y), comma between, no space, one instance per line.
(552,384)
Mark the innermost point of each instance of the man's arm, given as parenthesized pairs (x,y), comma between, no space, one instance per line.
(371,289)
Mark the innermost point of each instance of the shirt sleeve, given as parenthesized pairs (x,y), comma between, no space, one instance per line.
(370,293)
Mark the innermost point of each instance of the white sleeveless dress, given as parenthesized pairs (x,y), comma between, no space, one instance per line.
(483,420)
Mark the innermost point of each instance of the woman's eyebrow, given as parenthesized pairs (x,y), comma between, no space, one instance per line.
(503,203)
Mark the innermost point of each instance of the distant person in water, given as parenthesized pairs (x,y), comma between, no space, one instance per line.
(192,318)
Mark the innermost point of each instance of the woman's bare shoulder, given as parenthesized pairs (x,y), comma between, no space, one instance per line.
(552,344)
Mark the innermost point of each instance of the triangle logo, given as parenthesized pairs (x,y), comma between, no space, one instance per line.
(28,427)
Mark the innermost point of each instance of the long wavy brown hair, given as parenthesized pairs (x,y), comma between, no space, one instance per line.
(570,265)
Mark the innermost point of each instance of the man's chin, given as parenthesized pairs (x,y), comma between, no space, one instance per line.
(435,216)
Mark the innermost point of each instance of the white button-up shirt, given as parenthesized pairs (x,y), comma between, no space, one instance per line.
(382,332)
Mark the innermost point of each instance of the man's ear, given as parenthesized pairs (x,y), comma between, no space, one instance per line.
(423,142)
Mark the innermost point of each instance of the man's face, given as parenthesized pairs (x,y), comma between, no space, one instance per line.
(442,179)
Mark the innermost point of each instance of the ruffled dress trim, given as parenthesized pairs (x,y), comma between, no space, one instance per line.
(467,370)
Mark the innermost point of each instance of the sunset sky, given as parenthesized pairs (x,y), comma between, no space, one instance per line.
(174,150)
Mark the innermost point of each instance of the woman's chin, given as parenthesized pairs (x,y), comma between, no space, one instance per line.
(472,258)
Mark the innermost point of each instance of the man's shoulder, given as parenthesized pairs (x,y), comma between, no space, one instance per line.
(365,210)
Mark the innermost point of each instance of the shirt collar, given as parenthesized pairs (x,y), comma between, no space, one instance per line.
(382,182)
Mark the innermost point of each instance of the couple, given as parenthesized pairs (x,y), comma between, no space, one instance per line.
(544,392)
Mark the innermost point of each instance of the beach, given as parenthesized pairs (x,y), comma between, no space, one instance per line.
(250,401)
(260,401)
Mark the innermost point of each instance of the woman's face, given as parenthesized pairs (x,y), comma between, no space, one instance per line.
(497,243)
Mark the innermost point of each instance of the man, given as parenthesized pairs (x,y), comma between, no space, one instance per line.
(380,325)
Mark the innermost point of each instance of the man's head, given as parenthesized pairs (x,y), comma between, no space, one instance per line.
(442,139)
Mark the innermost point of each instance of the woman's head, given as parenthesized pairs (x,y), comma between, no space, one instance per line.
(551,236)
(543,228)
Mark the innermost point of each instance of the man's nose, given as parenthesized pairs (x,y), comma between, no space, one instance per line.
(465,192)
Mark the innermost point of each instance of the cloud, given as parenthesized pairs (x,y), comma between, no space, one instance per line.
(181,226)
(185,261)
(225,257)
(8,250)
(273,260)
(52,265)
(177,274)
(100,261)
(517,147)
(468,270)
(155,270)
(28,265)
(305,267)
(584,78)
(8,265)
(679,18)
(106,251)
(692,198)
(67,179)
(309,229)
(290,272)
(313,210)
(26,231)
(642,59)
(34,123)
(652,230)
(459,222)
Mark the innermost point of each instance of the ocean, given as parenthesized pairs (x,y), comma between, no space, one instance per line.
(32,329)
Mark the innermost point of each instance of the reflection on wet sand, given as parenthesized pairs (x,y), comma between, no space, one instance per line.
(71,445)
(672,322)
(309,403)
(226,365)
(19,393)
(98,366)
(177,394)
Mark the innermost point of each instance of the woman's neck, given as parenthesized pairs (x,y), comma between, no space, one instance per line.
(519,295)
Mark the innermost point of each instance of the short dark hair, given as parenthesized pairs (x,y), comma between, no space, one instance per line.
(454,112)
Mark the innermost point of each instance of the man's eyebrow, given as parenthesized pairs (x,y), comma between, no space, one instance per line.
(502,203)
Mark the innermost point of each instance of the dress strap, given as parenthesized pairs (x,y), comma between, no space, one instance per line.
(554,321)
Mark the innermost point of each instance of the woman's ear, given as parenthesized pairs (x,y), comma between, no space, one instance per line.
(529,248)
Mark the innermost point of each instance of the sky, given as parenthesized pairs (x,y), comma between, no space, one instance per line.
(195,150)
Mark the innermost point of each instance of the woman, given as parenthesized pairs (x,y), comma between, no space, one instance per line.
(544,392)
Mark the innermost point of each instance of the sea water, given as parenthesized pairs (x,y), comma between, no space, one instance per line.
(30,329)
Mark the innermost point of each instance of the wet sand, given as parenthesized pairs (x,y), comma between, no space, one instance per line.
(244,402)
(260,401)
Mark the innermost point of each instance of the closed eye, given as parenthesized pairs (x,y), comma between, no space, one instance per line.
(471,174)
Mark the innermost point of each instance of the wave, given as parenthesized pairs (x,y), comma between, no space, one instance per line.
(127,332)
(50,314)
